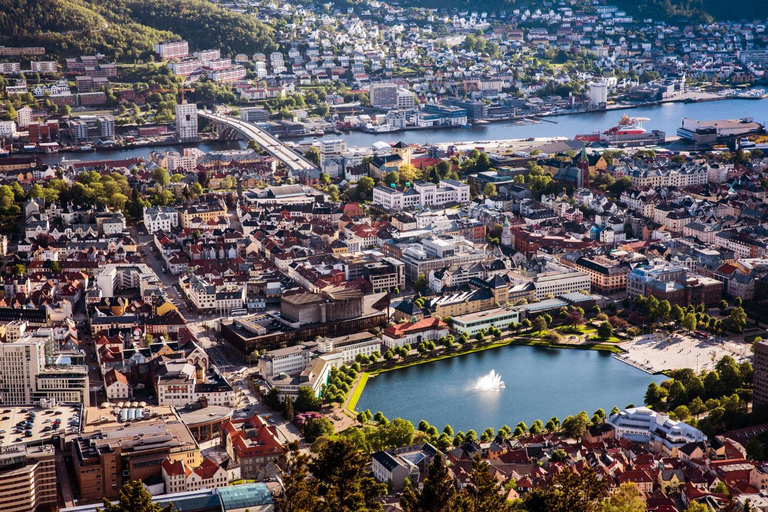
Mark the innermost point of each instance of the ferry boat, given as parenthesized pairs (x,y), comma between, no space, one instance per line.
(628,132)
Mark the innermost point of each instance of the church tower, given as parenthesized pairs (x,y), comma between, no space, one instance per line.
(582,165)
(506,233)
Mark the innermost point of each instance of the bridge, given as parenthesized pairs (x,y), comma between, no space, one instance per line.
(270,144)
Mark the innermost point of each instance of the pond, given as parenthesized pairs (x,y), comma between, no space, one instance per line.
(539,383)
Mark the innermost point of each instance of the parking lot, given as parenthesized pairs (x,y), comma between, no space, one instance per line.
(32,425)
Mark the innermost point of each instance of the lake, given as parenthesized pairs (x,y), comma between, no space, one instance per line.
(540,383)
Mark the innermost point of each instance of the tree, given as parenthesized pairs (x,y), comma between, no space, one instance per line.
(288,409)
(664,310)
(573,492)
(18,270)
(605,330)
(626,498)
(575,426)
(306,400)
(133,497)
(677,394)
(408,174)
(313,155)
(689,322)
(737,319)
(438,493)
(161,176)
(420,284)
(539,324)
(655,395)
(342,482)
(697,507)
(489,190)
(483,494)
(317,427)
(677,313)
(197,189)
(299,492)
(364,187)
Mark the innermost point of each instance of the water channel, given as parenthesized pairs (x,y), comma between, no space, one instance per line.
(664,117)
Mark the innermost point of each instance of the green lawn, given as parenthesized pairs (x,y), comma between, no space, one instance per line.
(352,403)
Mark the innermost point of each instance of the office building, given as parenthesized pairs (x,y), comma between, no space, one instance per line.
(186,121)
(383,95)
(31,370)
(760,365)
(105,459)
(254,115)
(27,477)
(89,128)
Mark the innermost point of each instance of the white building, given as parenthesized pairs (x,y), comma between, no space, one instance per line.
(172,49)
(160,218)
(598,94)
(383,95)
(117,276)
(7,129)
(289,360)
(178,477)
(117,385)
(472,323)
(665,436)
(30,372)
(24,117)
(422,194)
(186,121)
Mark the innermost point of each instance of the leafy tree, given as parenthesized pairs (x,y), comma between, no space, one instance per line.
(689,322)
(655,395)
(364,187)
(677,394)
(575,426)
(573,492)
(539,323)
(313,155)
(299,492)
(420,284)
(697,507)
(677,313)
(133,497)
(317,427)
(489,190)
(737,320)
(343,484)
(626,498)
(306,400)
(288,409)
(161,176)
(438,493)
(605,330)
(483,494)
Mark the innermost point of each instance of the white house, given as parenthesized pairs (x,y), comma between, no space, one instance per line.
(117,385)
(160,218)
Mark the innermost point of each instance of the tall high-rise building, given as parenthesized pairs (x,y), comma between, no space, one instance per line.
(760,364)
(186,121)
(31,370)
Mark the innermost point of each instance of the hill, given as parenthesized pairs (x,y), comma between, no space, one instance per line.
(126,30)
(696,10)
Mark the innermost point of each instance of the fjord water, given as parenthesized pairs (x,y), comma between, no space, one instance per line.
(540,383)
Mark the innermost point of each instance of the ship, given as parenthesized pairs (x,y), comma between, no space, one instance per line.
(628,132)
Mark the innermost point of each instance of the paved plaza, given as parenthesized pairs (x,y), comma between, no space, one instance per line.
(659,351)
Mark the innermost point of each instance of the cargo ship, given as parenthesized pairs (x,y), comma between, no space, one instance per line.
(629,132)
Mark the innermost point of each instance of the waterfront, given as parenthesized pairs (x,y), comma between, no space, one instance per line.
(664,117)
(443,392)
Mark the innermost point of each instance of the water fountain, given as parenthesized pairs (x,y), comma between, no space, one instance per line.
(490,382)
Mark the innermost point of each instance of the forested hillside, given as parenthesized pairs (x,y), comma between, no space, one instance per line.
(126,30)
(696,10)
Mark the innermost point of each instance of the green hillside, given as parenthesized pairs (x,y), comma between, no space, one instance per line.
(696,10)
(126,30)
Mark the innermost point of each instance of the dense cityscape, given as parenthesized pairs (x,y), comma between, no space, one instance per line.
(372,256)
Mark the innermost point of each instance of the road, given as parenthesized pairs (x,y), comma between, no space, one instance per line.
(269,143)
(63,478)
